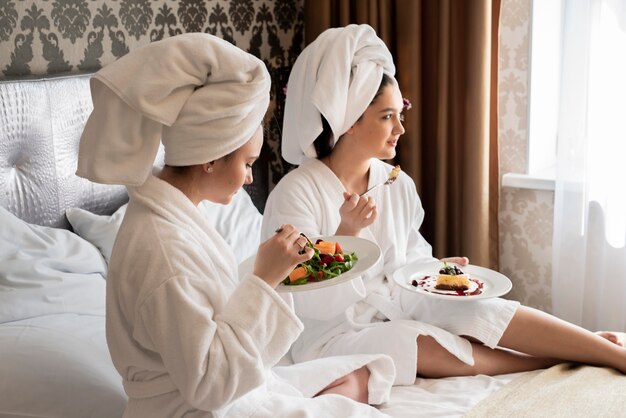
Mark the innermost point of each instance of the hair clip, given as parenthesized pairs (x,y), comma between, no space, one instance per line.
(406,104)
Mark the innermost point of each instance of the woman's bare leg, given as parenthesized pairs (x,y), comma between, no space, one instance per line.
(539,334)
(353,385)
(434,361)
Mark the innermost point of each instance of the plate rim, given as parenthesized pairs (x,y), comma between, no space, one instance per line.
(342,278)
(492,275)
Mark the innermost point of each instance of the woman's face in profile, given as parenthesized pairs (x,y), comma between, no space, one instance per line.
(380,127)
(233,171)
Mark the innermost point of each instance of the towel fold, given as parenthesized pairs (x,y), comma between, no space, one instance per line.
(200,95)
(336,76)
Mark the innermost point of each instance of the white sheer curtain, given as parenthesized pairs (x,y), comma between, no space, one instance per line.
(589,256)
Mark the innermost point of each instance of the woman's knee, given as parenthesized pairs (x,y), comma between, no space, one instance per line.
(433,360)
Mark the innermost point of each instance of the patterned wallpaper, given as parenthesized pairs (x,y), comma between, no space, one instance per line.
(525,215)
(59,36)
(47,37)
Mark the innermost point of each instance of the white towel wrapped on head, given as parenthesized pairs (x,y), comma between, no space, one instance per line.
(202,96)
(336,76)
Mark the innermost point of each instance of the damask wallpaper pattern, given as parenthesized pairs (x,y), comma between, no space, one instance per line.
(51,37)
(60,36)
(525,215)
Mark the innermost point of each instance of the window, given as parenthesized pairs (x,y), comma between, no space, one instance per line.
(544,59)
(544,73)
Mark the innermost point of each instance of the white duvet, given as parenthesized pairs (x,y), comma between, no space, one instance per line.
(58,366)
(53,356)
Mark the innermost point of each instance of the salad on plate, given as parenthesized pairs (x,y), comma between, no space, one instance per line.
(328,261)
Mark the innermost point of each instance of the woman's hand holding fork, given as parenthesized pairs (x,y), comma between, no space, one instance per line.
(357,212)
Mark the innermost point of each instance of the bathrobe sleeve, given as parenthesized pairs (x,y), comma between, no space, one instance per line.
(301,199)
(215,359)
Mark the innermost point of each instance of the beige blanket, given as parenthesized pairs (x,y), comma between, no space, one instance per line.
(565,390)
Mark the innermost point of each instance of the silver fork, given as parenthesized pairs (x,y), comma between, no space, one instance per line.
(392,177)
(301,234)
(307,238)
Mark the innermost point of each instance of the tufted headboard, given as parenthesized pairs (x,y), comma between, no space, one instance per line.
(40,126)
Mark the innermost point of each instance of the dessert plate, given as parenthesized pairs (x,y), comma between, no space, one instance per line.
(368,254)
(421,278)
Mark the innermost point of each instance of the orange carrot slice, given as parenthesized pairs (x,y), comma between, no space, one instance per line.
(326,247)
(297,273)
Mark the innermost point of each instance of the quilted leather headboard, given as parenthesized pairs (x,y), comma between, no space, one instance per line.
(40,126)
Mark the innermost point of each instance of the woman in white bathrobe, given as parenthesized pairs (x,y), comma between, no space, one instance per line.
(343,116)
(188,336)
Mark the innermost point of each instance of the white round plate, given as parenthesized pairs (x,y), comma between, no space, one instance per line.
(368,254)
(494,284)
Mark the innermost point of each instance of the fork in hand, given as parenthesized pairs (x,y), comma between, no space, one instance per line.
(301,234)
(392,177)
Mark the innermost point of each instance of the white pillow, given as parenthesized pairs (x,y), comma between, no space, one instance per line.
(47,270)
(239,223)
(100,230)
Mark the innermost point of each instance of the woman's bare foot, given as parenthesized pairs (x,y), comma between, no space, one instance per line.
(612,337)
(615,339)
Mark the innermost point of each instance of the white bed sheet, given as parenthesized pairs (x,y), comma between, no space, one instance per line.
(58,366)
(448,397)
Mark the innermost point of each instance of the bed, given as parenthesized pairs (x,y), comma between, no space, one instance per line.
(57,233)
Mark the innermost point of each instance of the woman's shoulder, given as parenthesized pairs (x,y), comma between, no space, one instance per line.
(302,176)
(169,236)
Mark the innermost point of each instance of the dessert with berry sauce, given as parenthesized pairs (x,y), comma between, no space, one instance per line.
(452,278)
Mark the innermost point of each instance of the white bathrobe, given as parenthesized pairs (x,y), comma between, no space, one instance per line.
(190,339)
(371,314)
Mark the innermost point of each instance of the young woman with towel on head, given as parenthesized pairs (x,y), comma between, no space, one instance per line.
(188,336)
(343,115)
